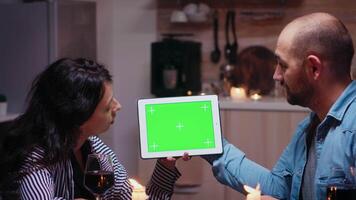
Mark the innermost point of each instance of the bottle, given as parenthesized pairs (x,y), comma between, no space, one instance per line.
(226,79)
(170,76)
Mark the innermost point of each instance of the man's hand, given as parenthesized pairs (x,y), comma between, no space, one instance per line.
(267,198)
(170,162)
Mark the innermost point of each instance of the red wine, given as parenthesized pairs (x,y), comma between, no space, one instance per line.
(99,181)
(341,193)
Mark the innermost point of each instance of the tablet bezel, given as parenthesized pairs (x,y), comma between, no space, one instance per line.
(193,152)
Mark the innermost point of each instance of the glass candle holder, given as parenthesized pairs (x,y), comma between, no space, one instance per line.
(341,184)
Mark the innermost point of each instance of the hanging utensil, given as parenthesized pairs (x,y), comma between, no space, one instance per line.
(215,54)
(228,47)
(234,45)
(230,54)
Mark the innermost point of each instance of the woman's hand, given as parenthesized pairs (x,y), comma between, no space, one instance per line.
(170,162)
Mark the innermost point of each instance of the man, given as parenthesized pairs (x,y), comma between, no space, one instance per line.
(314,54)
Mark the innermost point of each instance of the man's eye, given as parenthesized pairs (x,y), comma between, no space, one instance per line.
(282,65)
(278,64)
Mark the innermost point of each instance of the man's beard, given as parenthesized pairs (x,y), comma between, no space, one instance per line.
(301,97)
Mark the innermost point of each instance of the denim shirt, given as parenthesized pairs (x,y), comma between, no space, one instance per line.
(335,147)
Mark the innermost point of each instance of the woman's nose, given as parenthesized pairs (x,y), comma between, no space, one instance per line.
(117,105)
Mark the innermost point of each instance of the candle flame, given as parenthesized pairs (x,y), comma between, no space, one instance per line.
(138,191)
(135,184)
(256,97)
(237,93)
(253,193)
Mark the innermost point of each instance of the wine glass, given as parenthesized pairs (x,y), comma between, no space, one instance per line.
(99,174)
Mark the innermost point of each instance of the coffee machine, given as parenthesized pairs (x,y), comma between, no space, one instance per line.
(175,67)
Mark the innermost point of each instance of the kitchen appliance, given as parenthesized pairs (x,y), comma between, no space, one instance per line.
(175,67)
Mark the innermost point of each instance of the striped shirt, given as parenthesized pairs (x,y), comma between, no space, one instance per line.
(39,181)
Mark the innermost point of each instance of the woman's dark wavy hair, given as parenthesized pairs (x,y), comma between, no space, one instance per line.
(61,99)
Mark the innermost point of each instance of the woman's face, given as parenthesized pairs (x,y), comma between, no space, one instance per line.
(104,114)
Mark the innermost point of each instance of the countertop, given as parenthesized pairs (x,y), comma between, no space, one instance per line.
(264,104)
(226,103)
(7,117)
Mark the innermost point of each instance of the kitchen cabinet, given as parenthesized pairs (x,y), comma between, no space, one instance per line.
(261,129)
(261,134)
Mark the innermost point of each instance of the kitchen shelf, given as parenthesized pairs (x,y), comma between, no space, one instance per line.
(225,4)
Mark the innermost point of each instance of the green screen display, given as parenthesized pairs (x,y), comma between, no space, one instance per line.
(179,126)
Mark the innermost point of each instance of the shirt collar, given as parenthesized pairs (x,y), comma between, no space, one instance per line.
(339,108)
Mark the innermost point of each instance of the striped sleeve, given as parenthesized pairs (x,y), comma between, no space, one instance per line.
(36,181)
(161,185)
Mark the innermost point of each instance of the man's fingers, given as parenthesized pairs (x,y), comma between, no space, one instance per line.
(185,157)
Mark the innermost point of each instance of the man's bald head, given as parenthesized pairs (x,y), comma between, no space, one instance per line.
(324,35)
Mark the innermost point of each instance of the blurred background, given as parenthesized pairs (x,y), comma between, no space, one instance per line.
(164,48)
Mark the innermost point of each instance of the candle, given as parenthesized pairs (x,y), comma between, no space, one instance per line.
(253,193)
(138,191)
(237,93)
(256,97)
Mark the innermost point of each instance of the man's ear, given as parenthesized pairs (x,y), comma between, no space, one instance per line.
(314,66)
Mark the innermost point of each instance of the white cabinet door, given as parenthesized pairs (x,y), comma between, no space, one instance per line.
(262,135)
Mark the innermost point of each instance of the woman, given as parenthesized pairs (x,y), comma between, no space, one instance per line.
(45,149)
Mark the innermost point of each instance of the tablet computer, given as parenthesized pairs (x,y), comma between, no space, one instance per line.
(174,125)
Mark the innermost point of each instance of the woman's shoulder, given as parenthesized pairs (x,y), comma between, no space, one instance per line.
(95,139)
(35,155)
(97,142)
(33,161)
(98,146)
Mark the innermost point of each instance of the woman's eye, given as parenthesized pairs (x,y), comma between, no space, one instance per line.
(107,109)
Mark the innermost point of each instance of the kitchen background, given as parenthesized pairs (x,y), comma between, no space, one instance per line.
(121,37)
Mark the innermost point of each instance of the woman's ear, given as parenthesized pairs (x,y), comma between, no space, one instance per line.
(314,66)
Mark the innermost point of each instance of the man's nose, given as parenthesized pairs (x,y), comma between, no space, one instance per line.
(277,76)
